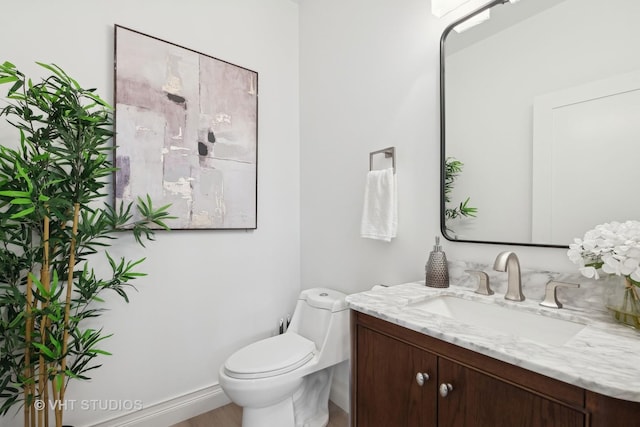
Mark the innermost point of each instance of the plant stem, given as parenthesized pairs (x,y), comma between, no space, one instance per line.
(28,370)
(46,283)
(67,307)
(43,416)
(58,405)
(629,311)
(635,306)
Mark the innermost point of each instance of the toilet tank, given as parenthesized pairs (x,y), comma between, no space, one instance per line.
(314,313)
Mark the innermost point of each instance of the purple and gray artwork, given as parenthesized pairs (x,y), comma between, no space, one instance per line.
(186,133)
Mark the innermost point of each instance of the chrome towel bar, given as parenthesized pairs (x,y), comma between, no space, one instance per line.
(388,152)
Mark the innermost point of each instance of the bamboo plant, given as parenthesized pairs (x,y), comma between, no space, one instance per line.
(53,222)
(453,168)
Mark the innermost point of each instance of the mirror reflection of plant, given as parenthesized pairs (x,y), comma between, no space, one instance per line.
(453,169)
(50,224)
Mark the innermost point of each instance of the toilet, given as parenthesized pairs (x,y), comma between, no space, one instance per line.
(285,380)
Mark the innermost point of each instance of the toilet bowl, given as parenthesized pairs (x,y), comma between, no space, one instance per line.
(285,380)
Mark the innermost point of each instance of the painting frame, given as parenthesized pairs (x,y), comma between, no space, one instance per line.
(186,133)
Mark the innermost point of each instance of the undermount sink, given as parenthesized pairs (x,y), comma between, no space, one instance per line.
(539,328)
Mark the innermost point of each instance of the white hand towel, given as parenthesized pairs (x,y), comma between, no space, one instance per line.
(380,212)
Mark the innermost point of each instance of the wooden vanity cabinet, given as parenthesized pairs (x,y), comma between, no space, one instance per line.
(387,390)
(478,399)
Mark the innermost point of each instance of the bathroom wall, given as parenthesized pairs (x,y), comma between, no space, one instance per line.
(369,78)
(208,292)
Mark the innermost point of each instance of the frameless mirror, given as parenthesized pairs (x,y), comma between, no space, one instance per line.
(540,121)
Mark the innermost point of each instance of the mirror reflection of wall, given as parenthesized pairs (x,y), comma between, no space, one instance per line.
(540,103)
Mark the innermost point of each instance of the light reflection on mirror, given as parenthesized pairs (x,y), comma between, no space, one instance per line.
(541,105)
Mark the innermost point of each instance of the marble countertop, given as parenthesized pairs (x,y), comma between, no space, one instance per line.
(603,357)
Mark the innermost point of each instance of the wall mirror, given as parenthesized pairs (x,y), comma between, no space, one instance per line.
(541,104)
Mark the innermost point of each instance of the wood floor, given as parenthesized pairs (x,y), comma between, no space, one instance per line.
(231,416)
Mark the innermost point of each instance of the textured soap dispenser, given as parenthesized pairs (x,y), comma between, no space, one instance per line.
(436,270)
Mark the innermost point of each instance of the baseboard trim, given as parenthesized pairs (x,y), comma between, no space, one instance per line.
(172,411)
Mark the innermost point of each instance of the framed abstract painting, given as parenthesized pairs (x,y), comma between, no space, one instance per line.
(186,133)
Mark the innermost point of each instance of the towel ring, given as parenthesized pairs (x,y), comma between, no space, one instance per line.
(388,152)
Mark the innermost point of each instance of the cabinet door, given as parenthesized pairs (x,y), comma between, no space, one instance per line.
(480,400)
(387,391)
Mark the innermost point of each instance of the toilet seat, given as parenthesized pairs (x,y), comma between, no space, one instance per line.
(270,357)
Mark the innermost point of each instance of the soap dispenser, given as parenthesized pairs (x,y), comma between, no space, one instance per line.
(436,270)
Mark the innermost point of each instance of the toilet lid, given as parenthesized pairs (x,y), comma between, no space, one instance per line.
(269,357)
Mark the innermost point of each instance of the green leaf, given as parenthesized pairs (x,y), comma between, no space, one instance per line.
(111,261)
(22,213)
(54,317)
(133,264)
(39,285)
(54,283)
(15,87)
(97,351)
(70,373)
(98,100)
(20,202)
(54,69)
(24,176)
(16,320)
(44,350)
(11,193)
(131,275)
(55,343)
(58,382)
(8,79)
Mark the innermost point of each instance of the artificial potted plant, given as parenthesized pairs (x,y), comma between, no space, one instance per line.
(53,221)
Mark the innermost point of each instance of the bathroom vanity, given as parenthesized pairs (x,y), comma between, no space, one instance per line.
(415,364)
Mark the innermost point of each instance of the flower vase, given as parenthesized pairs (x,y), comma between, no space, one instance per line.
(623,301)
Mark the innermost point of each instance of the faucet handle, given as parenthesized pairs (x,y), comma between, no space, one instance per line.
(551,295)
(483,286)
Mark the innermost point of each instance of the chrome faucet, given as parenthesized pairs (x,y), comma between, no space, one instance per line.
(508,261)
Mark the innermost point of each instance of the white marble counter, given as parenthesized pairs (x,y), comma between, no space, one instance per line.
(603,357)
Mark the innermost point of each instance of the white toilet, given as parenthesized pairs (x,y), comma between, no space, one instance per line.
(285,380)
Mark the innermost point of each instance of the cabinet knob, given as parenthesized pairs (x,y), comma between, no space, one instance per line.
(444,389)
(421,378)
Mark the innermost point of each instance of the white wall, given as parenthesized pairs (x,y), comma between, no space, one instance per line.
(208,292)
(367,82)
